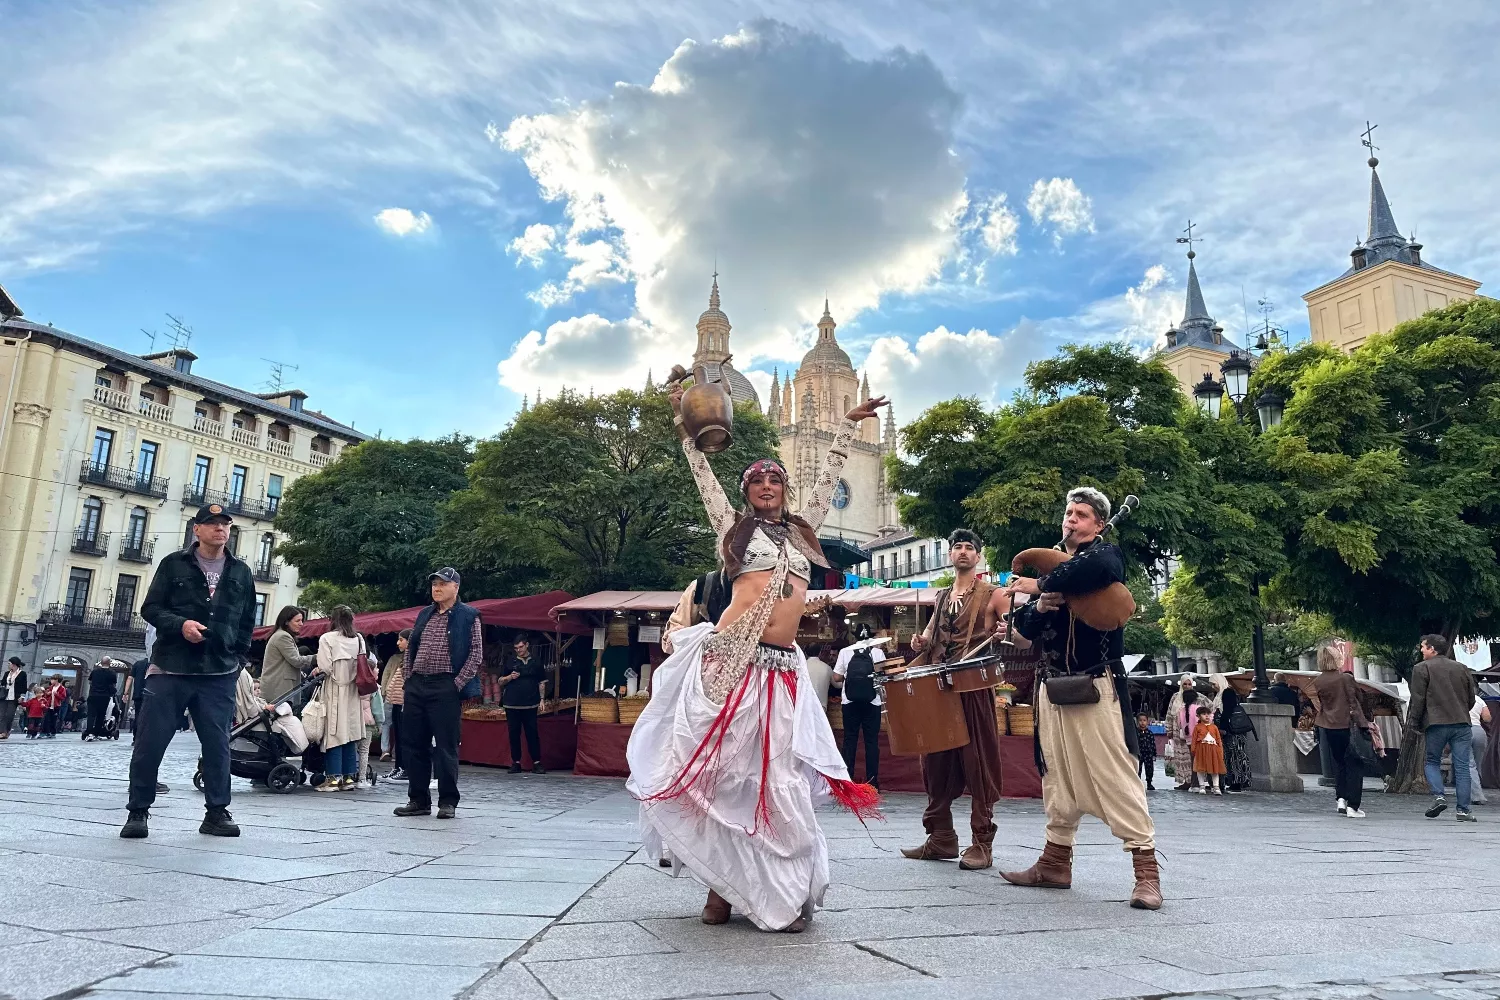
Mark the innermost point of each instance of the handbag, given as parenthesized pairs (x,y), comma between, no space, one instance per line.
(1072,689)
(365,679)
(1239,722)
(1361,756)
(315,718)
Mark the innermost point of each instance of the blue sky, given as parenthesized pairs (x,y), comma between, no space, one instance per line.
(433,207)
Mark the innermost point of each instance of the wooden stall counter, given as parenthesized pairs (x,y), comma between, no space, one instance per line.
(487,741)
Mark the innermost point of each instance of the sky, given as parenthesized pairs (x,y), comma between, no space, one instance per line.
(433,208)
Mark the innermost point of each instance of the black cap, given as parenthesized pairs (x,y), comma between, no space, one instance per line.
(209,511)
(446,573)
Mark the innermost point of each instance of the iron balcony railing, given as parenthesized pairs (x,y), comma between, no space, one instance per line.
(77,616)
(267,572)
(90,542)
(195,496)
(127,480)
(137,550)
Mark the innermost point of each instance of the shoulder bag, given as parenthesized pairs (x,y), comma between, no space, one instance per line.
(315,717)
(365,679)
(1239,722)
(1361,756)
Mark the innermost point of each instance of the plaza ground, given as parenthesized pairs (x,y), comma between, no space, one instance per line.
(538,891)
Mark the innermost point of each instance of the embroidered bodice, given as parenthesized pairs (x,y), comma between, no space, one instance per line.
(762,553)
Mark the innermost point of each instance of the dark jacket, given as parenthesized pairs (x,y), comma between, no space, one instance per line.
(1442,693)
(461,620)
(179,593)
(1339,700)
(102,683)
(18,690)
(526,690)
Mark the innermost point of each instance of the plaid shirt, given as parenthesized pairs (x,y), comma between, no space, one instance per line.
(432,650)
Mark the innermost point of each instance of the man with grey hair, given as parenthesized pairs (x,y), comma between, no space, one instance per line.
(1086,737)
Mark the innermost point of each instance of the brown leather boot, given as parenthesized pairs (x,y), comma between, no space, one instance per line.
(979,855)
(1053,870)
(941,845)
(1147,894)
(717,909)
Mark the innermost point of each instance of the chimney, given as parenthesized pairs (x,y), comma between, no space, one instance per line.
(1416,253)
(1172,337)
(1358,253)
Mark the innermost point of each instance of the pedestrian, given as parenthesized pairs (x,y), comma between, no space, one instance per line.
(202,603)
(1479,715)
(12,695)
(1181,717)
(1284,694)
(103,686)
(338,650)
(447,647)
(1442,694)
(1232,716)
(523,676)
(284,665)
(820,672)
(36,712)
(862,700)
(392,689)
(372,709)
(1147,741)
(1208,751)
(1086,749)
(55,700)
(1340,708)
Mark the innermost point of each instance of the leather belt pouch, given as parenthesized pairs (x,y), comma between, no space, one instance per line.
(1072,689)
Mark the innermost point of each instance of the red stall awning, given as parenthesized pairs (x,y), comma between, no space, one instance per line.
(505,612)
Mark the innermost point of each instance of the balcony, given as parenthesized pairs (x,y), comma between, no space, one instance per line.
(195,496)
(126,480)
(318,458)
(112,398)
(244,436)
(203,425)
(137,550)
(90,543)
(267,572)
(65,623)
(279,447)
(156,411)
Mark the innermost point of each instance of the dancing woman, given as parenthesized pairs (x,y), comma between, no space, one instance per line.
(731,755)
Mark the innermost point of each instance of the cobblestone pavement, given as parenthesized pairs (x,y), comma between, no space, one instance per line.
(538,892)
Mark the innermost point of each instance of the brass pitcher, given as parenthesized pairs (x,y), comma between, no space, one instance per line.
(707,411)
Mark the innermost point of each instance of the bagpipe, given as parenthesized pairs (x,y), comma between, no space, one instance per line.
(1105,609)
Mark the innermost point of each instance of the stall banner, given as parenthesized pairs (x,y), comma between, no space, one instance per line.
(648,634)
(598,638)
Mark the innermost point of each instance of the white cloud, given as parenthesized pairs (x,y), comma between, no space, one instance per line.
(1000,227)
(532,245)
(403,221)
(1059,203)
(943,364)
(803,170)
(585,352)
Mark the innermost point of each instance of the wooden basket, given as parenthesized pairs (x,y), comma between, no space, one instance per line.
(1020,720)
(835,716)
(631,709)
(597,709)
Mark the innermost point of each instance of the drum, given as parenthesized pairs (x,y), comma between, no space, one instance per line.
(925,714)
(975,675)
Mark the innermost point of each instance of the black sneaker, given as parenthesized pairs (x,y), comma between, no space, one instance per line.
(516,769)
(1438,805)
(447,812)
(538,769)
(161,788)
(218,823)
(413,809)
(135,827)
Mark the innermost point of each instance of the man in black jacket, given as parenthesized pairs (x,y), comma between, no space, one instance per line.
(202,603)
(103,685)
(523,676)
(1086,749)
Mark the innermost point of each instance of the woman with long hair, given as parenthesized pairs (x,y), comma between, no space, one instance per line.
(284,665)
(732,753)
(338,649)
(1340,708)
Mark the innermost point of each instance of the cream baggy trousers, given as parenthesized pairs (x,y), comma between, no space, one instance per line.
(1090,771)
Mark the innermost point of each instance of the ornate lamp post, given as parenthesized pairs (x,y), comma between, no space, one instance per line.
(1269,407)
(1209,396)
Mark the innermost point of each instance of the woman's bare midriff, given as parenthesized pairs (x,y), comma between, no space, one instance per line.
(786,616)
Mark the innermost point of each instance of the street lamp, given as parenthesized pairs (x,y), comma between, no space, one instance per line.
(1209,395)
(1236,369)
(1269,406)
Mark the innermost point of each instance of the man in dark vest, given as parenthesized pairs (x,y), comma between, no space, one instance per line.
(966,613)
(445,651)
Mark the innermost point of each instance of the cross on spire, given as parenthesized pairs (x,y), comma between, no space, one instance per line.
(1190,239)
(1369,140)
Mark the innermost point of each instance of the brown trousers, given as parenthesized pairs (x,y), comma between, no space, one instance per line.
(974,768)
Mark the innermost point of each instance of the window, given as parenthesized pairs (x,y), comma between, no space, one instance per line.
(234,540)
(237,477)
(93,513)
(908,562)
(145,466)
(188,538)
(273,492)
(79,581)
(104,380)
(135,531)
(267,546)
(125,591)
(923,557)
(183,363)
(201,469)
(296,404)
(840,495)
(104,441)
(882,568)
(148,394)
(260,609)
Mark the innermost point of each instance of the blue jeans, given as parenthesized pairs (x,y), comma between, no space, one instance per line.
(342,760)
(1460,739)
(210,701)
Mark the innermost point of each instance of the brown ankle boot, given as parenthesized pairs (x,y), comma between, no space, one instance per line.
(939,846)
(1147,894)
(976,857)
(1053,870)
(716,911)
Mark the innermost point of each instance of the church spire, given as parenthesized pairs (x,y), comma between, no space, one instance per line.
(773,413)
(864,388)
(1196,309)
(713,296)
(1382,223)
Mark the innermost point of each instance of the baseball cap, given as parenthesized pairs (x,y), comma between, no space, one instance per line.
(209,511)
(447,573)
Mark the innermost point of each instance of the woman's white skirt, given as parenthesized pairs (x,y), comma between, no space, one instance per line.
(729,790)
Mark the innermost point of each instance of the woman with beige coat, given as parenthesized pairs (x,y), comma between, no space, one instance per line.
(284,666)
(338,649)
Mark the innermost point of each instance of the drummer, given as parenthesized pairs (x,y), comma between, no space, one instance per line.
(966,613)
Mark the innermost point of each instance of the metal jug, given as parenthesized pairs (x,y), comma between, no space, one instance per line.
(707,411)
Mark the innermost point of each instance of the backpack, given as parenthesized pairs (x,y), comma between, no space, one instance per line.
(859,677)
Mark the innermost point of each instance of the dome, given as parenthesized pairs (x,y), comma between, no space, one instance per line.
(825,353)
(740,389)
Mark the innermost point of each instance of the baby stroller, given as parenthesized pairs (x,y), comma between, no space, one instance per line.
(112,720)
(259,752)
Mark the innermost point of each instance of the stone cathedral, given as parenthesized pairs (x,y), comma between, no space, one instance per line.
(806,409)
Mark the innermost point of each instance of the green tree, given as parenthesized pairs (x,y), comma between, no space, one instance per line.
(590,493)
(321,597)
(1192,621)
(364,521)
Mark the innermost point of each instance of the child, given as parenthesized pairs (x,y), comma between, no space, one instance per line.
(1147,740)
(1208,751)
(36,708)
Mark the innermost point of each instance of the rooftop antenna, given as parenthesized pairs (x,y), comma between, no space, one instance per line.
(181,333)
(277,381)
(1190,239)
(151,336)
(1246,310)
(1270,335)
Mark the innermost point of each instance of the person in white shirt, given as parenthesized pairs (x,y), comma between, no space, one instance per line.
(820,672)
(862,700)
(1478,716)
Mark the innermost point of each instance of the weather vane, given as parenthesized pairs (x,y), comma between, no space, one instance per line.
(1369,140)
(1190,239)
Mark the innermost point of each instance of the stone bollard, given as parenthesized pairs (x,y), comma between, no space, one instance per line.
(1273,757)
